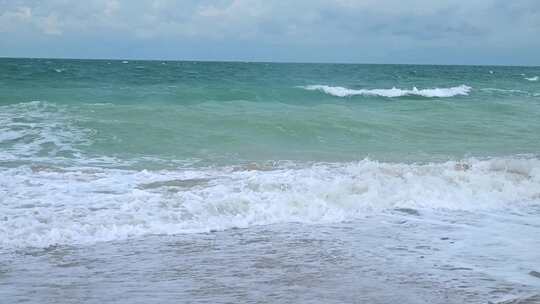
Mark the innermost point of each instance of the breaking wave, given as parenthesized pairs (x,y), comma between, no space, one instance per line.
(393,92)
(47,205)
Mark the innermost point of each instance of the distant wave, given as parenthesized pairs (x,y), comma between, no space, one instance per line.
(393,92)
(507,91)
(535,78)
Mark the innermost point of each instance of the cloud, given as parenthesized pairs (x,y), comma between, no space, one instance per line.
(23,17)
(372,26)
(10,19)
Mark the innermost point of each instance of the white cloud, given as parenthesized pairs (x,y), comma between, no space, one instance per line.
(356,24)
(10,19)
(111,7)
(22,17)
(274,19)
(50,25)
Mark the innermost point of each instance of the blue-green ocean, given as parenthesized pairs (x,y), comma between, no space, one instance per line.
(239,181)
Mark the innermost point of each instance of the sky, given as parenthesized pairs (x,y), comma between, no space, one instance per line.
(503,32)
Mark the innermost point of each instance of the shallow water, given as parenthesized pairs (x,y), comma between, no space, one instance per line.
(395,257)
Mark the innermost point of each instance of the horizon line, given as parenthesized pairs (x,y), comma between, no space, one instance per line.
(267,61)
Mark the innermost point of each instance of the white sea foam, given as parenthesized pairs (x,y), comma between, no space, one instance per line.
(535,78)
(393,92)
(38,128)
(41,206)
(44,132)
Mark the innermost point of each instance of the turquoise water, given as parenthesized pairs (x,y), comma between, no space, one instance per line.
(231,182)
(243,112)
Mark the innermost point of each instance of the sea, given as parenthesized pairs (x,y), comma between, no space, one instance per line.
(130,181)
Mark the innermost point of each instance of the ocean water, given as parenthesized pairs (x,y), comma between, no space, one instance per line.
(214,182)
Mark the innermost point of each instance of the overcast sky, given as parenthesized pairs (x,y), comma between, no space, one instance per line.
(364,31)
